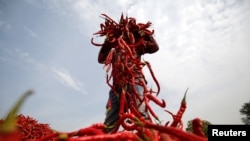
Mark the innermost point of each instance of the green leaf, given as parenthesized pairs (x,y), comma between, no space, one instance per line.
(10,119)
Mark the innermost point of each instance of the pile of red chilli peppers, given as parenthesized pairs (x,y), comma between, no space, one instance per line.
(21,128)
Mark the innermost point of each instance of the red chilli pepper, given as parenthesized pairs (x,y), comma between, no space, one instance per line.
(122,102)
(180,134)
(99,125)
(144,26)
(183,105)
(134,110)
(153,76)
(110,19)
(108,137)
(89,131)
(197,127)
(177,118)
(122,43)
(122,121)
(131,37)
(155,100)
(96,44)
(151,110)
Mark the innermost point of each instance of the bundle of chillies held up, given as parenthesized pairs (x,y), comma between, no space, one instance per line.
(127,66)
(137,129)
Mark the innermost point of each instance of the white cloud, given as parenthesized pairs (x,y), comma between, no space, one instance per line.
(4,25)
(66,79)
(30,32)
(18,56)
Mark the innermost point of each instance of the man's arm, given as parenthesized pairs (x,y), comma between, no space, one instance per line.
(151,45)
(104,51)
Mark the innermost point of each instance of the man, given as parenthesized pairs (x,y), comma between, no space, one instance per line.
(149,46)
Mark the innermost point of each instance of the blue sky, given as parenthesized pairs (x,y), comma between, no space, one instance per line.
(45,46)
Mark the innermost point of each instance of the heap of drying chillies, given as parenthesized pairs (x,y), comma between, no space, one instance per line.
(30,129)
(135,128)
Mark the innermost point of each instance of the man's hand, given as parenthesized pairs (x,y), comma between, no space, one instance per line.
(106,47)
